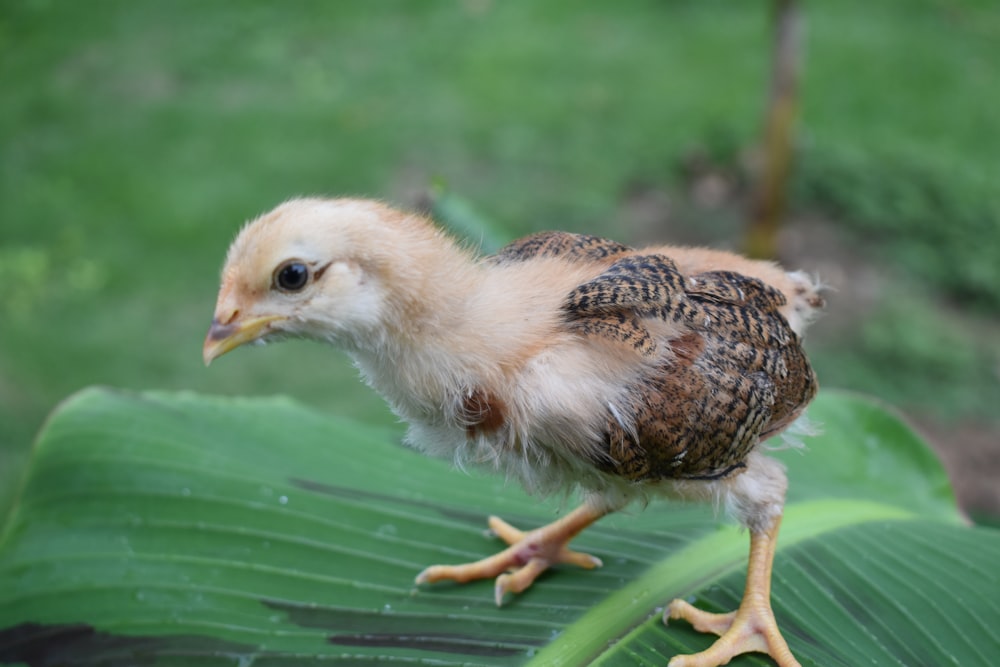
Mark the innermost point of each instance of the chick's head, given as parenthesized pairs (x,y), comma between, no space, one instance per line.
(309,269)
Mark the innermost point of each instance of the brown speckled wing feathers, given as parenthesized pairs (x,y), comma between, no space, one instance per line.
(736,373)
(573,247)
(613,304)
(636,282)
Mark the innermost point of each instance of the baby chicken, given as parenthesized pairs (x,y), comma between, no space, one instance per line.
(564,361)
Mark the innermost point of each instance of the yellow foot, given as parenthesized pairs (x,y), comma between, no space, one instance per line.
(528,555)
(750,629)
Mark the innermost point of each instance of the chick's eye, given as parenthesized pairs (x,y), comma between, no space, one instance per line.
(292,276)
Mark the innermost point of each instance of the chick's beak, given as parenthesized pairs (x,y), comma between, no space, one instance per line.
(224,336)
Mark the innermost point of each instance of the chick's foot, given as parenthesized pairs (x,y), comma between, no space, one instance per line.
(529,554)
(752,627)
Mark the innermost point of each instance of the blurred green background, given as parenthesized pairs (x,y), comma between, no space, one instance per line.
(137,136)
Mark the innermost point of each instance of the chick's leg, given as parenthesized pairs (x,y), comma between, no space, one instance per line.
(751,627)
(529,554)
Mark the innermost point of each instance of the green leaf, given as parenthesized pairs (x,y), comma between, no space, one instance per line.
(179,529)
(463,219)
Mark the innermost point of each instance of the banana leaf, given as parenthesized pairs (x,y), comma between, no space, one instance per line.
(178,529)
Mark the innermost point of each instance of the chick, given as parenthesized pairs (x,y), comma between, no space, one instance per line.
(565,361)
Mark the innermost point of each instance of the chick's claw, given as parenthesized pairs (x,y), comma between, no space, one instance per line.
(529,554)
(702,621)
(541,541)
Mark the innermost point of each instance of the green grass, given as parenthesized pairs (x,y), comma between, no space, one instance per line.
(137,135)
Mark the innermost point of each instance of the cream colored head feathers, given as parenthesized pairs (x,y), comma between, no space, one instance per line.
(320,269)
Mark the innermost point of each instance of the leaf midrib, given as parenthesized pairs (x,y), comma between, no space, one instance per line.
(590,640)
